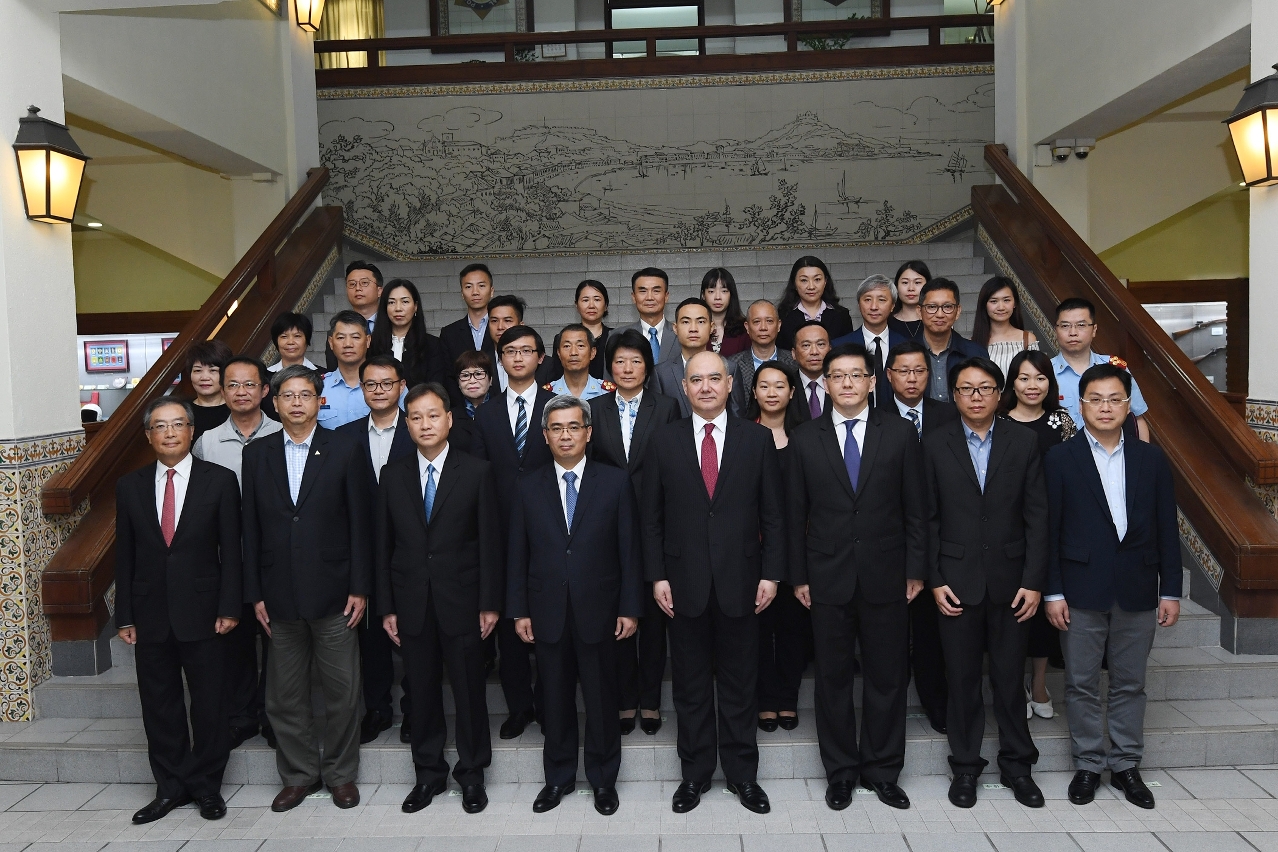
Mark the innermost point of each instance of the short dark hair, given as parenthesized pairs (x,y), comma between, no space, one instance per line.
(813,324)
(161,401)
(594,285)
(985,365)
(428,388)
(1099,372)
(907,348)
(347,317)
(575,326)
(473,358)
(629,338)
(210,353)
(364,264)
(508,301)
(297,371)
(941,284)
(1039,361)
(650,272)
(475,267)
(519,332)
(382,361)
(263,374)
(846,350)
(288,321)
(1076,303)
(690,301)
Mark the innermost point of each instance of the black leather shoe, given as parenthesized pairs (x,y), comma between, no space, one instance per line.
(838,795)
(627,725)
(515,724)
(649,726)
(474,798)
(788,723)
(889,793)
(1129,781)
(606,801)
(688,795)
(159,808)
(212,806)
(1082,790)
(937,721)
(767,725)
(374,723)
(963,791)
(550,796)
(405,731)
(422,795)
(1024,789)
(751,796)
(241,734)
(268,734)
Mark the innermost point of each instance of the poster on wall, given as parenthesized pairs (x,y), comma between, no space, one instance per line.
(106,356)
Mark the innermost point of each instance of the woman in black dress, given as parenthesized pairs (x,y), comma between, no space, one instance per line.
(400,331)
(1032,399)
(809,295)
(907,320)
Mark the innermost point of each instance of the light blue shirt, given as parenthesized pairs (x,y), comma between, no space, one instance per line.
(295,460)
(340,403)
(1067,382)
(979,451)
(1113,477)
(477,335)
(594,387)
(759,362)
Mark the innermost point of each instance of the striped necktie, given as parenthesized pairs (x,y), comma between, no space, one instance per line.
(521,427)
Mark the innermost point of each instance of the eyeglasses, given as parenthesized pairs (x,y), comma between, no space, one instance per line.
(164,426)
(526,351)
(1107,401)
(301,396)
(472,375)
(384,384)
(840,378)
(978,391)
(901,371)
(1074,326)
(249,386)
(947,309)
(558,429)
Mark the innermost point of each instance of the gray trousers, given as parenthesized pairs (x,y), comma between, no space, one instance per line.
(1129,637)
(334,650)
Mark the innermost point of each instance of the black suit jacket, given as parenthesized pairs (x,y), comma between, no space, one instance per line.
(185,587)
(596,565)
(935,414)
(427,361)
(1087,563)
(495,442)
(875,536)
(992,543)
(357,431)
(456,562)
(457,339)
(731,541)
(606,446)
(304,560)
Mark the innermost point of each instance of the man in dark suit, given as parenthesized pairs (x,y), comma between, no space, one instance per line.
(811,344)
(575,588)
(692,328)
(308,571)
(508,436)
(940,305)
(987,561)
(177,590)
(907,371)
(875,298)
(440,581)
(857,558)
(714,549)
(380,438)
(470,333)
(650,290)
(762,325)
(364,292)
(1114,576)
(622,424)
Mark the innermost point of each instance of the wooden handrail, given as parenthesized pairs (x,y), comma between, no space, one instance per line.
(1251,456)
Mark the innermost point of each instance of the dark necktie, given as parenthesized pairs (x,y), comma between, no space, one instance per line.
(918,424)
(570,496)
(851,453)
(521,427)
(709,460)
(814,401)
(428,494)
(168,514)
(880,381)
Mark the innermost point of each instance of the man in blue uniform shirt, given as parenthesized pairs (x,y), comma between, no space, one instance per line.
(343,397)
(1075,331)
(576,350)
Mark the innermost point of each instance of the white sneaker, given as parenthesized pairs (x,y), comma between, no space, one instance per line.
(1034,708)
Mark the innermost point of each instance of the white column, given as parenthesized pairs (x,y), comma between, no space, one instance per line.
(1011,82)
(1262,379)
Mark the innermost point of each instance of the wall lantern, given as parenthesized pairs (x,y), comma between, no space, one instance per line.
(1254,127)
(309,13)
(50,166)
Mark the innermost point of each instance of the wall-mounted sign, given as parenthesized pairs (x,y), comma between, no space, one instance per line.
(106,356)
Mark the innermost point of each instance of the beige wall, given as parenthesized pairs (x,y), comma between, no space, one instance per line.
(1209,240)
(117,273)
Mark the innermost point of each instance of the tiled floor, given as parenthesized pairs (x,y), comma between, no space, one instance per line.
(1201,810)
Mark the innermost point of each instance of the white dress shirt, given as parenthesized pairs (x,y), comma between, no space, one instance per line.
(623,415)
(438,464)
(512,407)
(397,347)
(180,481)
(870,337)
(644,329)
(906,409)
(502,379)
(856,424)
(807,390)
(578,469)
(699,434)
(379,443)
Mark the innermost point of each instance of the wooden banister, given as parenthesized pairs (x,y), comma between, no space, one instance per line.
(270,278)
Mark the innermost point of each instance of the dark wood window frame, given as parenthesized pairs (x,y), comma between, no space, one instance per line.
(609,5)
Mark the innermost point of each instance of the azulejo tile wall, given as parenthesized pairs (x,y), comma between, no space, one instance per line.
(28,539)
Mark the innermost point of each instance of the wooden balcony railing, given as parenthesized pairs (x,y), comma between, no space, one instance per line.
(1212,450)
(513,46)
(269,279)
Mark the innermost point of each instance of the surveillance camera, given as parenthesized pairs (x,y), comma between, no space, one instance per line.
(1061,152)
(1083,147)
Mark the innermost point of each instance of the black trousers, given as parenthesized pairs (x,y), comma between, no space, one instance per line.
(426,656)
(245,680)
(376,658)
(927,659)
(514,667)
(883,631)
(983,627)
(715,656)
(641,660)
(560,665)
(783,651)
(184,764)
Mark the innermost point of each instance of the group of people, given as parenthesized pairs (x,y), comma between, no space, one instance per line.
(743,491)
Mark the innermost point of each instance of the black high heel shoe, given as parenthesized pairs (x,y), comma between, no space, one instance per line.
(649,726)
(767,725)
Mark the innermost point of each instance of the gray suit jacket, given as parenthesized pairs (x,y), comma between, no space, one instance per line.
(667,380)
(741,368)
(669,343)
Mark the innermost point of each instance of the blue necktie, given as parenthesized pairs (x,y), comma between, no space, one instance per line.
(918,424)
(570,496)
(428,496)
(851,454)
(656,344)
(521,427)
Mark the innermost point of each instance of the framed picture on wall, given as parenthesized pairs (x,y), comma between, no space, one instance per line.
(106,356)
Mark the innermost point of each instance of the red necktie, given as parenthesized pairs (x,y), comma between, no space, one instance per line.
(709,460)
(168,515)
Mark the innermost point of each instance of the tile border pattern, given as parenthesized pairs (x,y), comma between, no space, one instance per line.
(28,540)
(1211,568)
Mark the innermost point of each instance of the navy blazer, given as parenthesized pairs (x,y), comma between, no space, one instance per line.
(401,445)
(495,442)
(595,566)
(1086,561)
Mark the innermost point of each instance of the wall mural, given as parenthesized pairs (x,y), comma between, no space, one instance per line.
(567,168)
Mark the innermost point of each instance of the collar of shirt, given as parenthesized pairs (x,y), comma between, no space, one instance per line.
(807,383)
(305,443)
(438,463)
(906,409)
(560,470)
(969,434)
(949,346)
(228,431)
(863,416)
(183,469)
(1098,447)
(483,323)
(529,397)
(644,328)
(815,316)
(720,424)
(279,365)
(372,427)
(637,399)
(870,337)
(1062,366)
(335,380)
(758,360)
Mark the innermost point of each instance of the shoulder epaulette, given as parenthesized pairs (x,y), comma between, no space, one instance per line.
(608,386)
(548,386)
(1117,362)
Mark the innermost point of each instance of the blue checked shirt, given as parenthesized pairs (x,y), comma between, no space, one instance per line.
(295,460)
